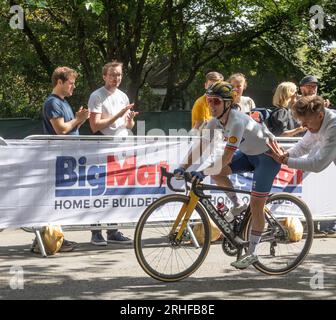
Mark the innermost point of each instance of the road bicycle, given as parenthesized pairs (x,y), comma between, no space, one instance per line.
(169,246)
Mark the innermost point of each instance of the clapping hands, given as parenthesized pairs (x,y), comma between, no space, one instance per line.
(82,115)
(131,115)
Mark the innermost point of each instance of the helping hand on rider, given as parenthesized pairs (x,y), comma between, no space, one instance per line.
(279,154)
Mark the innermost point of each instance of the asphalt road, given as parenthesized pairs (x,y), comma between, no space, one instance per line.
(112,272)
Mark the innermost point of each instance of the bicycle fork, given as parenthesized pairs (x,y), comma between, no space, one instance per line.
(184,216)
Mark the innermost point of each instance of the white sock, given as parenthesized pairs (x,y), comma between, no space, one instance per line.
(254,238)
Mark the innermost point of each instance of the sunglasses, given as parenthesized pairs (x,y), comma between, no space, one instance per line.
(214,100)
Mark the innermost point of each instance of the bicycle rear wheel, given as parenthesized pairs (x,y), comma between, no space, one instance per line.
(282,249)
(158,252)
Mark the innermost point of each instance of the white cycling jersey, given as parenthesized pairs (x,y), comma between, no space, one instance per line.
(320,147)
(243,133)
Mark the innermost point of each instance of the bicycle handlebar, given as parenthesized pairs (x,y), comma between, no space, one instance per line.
(197,187)
(187,179)
(164,173)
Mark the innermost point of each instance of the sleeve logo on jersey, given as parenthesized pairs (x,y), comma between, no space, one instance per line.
(233,139)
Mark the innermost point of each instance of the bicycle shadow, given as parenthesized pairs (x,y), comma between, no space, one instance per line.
(46,281)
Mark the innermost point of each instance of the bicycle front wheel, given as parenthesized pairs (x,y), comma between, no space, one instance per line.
(158,252)
(287,236)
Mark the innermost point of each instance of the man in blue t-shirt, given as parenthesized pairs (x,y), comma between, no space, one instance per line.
(58,117)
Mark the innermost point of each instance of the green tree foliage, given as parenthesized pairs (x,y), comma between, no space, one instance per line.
(165,43)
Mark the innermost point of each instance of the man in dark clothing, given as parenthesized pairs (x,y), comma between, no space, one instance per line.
(58,117)
(308,87)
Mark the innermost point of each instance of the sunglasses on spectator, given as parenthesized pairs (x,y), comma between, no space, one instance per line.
(214,100)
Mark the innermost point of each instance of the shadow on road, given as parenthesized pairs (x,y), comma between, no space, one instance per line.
(71,276)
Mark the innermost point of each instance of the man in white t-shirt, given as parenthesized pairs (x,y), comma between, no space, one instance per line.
(110,108)
(111,114)
(239,83)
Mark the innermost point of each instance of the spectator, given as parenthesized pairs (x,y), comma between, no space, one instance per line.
(200,112)
(110,115)
(318,143)
(327,227)
(58,117)
(281,122)
(308,87)
(239,83)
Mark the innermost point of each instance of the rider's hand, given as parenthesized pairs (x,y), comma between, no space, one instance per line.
(179,172)
(197,176)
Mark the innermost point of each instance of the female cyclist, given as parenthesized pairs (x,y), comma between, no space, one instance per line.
(245,151)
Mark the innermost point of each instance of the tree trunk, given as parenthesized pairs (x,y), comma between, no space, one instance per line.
(112,20)
(174,59)
(82,49)
(36,44)
(134,86)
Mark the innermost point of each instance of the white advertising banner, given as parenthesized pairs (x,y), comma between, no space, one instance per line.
(88,182)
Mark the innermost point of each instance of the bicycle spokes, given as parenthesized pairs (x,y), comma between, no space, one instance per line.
(287,235)
(162,253)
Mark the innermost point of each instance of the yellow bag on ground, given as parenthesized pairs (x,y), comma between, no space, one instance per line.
(294,227)
(198,230)
(52,237)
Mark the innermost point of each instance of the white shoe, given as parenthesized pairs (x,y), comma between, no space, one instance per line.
(236,211)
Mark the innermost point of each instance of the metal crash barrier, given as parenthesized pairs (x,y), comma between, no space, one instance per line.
(115,143)
(35,230)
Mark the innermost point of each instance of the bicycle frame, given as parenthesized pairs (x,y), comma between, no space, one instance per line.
(151,245)
(196,195)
